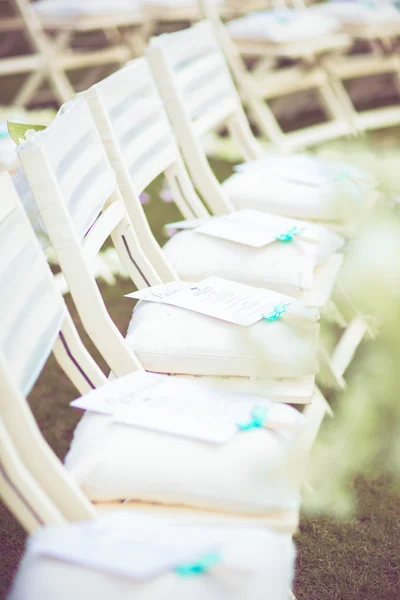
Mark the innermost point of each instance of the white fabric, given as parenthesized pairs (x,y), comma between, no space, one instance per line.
(280,26)
(258,564)
(359,12)
(167,339)
(82,8)
(25,194)
(284,267)
(262,185)
(174,3)
(256,472)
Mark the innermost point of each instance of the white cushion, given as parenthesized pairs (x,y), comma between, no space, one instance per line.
(262,185)
(167,339)
(174,3)
(285,267)
(266,557)
(82,8)
(361,13)
(280,26)
(257,472)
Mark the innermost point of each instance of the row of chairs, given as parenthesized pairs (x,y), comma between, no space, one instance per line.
(86,172)
(322,66)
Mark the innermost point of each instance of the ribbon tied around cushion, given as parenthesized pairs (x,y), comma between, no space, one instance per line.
(277,313)
(290,234)
(259,416)
(199,567)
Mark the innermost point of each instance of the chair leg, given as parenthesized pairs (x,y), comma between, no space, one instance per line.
(329,376)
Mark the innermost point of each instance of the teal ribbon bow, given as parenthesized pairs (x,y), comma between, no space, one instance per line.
(201,566)
(289,235)
(259,415)
(276,313)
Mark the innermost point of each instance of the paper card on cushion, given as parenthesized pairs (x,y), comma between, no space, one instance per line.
(139,548)
(256,229)
(187,410)
(225,300)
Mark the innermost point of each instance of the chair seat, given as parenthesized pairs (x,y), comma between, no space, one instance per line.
(282,26)
(348,12)
(79,8)
(257,562)
(310,189)
(284,267)
(168,339)
(254,474)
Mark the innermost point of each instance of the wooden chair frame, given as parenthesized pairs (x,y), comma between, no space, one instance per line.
(53,57)
(382,59)
(265,83)
(228,112)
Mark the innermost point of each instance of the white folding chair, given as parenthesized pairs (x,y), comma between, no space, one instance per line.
(376,24)
(29,328)
(52,58)
(129,114)
(64,151)
(197,102)
(200,97)
(256,90)
(130,117)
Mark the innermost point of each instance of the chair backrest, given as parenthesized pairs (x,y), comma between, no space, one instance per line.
(140,145)
(32,317)
(76,193)
(247,86)
(31,310)
(195,83)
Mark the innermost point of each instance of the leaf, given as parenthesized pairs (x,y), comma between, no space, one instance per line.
(18,131)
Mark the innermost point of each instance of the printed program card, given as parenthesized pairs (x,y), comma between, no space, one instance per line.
(235,303)
(126,545)
(187,410)
(257,229)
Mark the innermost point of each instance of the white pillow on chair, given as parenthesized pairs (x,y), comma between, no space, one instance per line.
(167,339)
(257,472)
(336,202)
(282,26)
(257,563)
(284,267)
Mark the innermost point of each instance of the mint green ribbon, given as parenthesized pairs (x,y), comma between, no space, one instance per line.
(276,313)
(200,567)
(259,416)
(289,235)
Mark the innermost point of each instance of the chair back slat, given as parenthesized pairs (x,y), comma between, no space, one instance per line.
(200,73)
(77,158)
(138,121)
(31,309)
